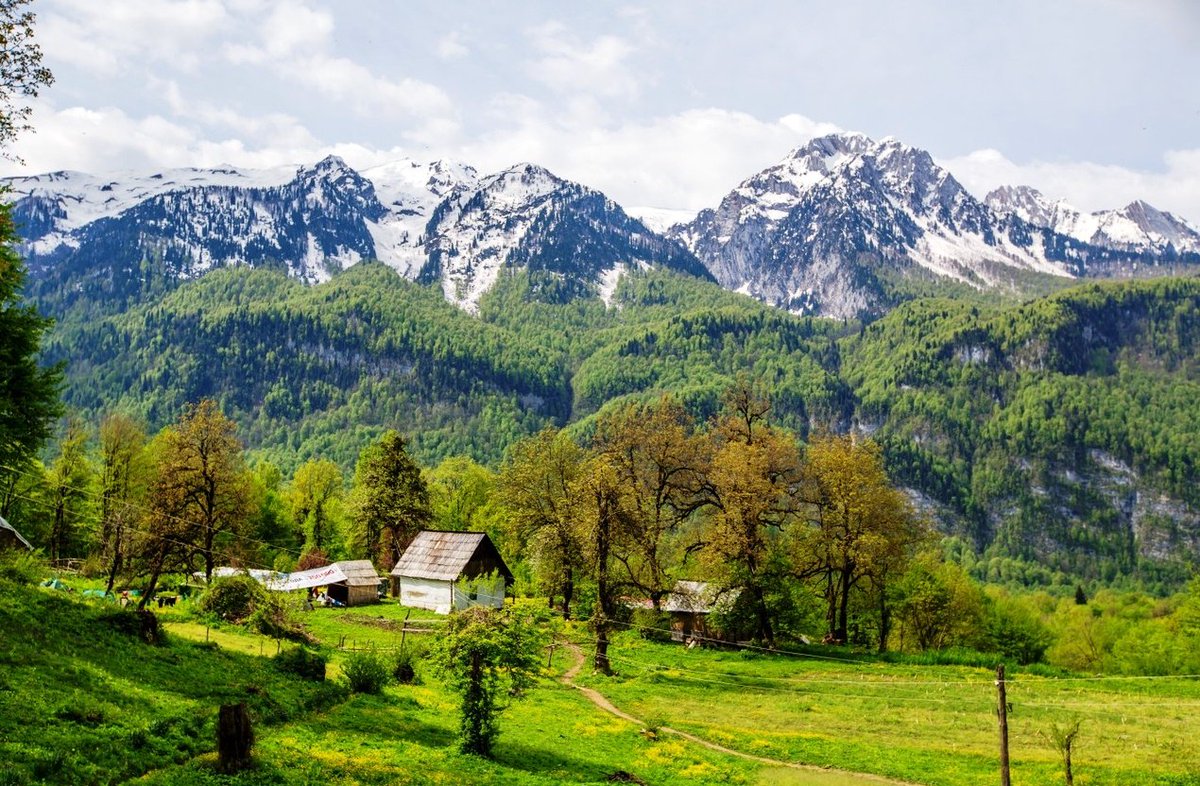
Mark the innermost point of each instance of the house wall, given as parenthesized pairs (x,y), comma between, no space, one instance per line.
(478,592)
(426,594)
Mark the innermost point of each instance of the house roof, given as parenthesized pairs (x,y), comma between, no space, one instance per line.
(695,597)
(358,572)
(442,556)
(9,532)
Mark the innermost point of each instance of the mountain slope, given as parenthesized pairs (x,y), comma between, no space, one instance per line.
(120,239)
(1137,228)
(525,218)
(830,228)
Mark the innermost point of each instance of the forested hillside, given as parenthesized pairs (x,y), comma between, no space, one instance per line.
(1062,431)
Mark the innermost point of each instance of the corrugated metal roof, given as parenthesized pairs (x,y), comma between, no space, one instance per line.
(4,525)
(440,556)
(694,597)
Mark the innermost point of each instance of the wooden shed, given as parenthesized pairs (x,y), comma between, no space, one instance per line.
(689,605)
(10,538)
(441,571)
(359,583)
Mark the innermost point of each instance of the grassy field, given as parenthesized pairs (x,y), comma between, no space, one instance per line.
(82,701)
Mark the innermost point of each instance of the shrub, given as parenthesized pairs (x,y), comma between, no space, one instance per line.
(652,625)
(303,662)
(20,567)
(233,598)
(366,672)
(404,669)
(275,615)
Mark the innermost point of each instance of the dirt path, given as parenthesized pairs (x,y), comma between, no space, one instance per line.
(568,678)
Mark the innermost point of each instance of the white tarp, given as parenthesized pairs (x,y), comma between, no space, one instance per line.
(285,582)
(302,579)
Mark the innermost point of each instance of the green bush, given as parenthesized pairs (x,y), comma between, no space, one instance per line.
(652,625)
(301,661)
(275,615)
(404,665)
(233,598)
(20,567)
(366,672)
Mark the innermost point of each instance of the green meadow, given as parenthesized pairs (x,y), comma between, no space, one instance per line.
(84,701)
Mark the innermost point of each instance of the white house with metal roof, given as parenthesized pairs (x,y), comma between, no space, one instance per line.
(441,571)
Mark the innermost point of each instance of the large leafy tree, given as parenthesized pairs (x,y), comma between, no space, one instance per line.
(535,488)
(861,526)
(123,475)
(754,478)
(201,478)
(662,463)
(389,502)
(315,496)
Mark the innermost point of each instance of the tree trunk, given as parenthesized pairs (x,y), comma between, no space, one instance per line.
(234,738)
(116,559)
(885,620)
(568,594)
(766,632)
(155,572)
(601,619)
(844,606)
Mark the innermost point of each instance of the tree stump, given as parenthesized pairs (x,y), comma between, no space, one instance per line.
(234,738)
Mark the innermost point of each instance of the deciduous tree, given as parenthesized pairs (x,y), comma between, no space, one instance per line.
(860,525)
(71,493)
(201,477)
(535,488)
(123,476)
(489,657)
(315,496)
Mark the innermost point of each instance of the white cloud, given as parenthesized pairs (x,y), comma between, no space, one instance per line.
(451,47)
(686,161)
(295,41)
(570,65)
(1090,186)
(115,35)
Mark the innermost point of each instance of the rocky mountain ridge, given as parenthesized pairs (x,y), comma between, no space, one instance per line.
(834,229)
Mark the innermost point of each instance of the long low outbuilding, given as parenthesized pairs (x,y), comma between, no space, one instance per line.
(349,582)
(441,571)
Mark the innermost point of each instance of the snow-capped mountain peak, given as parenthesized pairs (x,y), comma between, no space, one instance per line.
(1138,228)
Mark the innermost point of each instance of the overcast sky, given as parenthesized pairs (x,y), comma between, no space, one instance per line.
(664,104)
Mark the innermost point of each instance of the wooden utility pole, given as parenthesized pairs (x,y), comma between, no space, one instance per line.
(1002,714)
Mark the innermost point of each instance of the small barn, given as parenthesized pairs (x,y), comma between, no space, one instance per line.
(359,585)
(350,582)
(10,538)
(689,605)
(441,571)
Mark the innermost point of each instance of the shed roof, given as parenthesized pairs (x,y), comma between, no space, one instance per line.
(442,556)
(358,572)
(695,597)
(9,532)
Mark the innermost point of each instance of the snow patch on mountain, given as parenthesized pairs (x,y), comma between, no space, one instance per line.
(1137,228)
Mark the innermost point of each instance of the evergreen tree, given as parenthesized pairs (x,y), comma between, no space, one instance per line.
(29,393)
(390,501)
